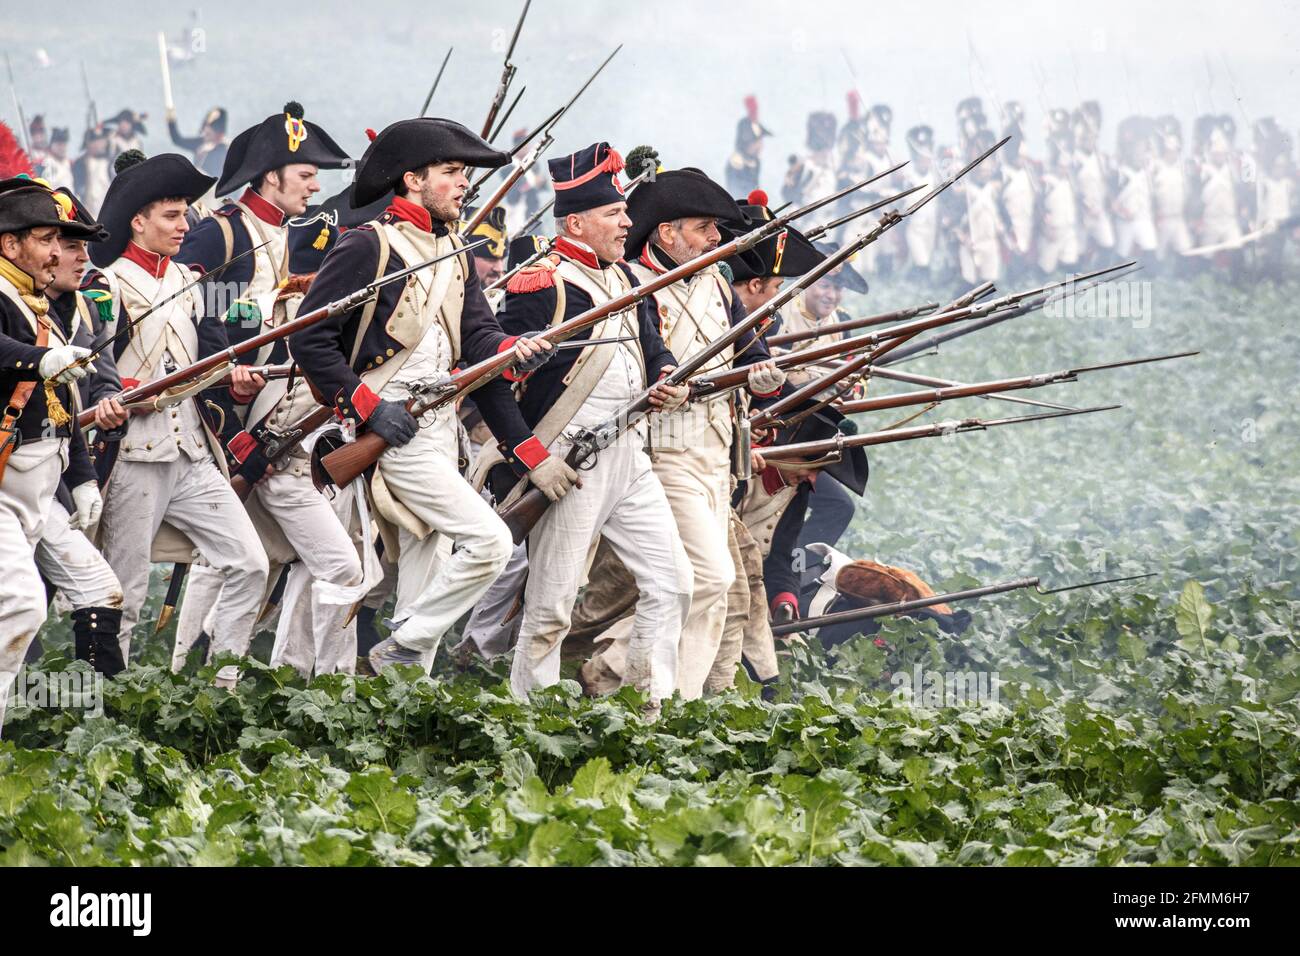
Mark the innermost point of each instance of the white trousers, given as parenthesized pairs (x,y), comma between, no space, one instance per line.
(491,633)
(1172,236)
(622,500)
(1135,234)
(314,636)
(73,565)
(26,493)
(697,484)
(434,589)
(197,500)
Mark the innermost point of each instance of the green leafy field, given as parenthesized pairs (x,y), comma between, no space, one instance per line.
(1145,724)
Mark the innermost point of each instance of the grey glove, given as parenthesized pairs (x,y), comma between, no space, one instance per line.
(553,478)
(393,423)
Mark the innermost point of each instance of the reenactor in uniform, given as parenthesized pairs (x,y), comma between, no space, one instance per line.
(40,444)
(984,229)
(619,497)
(56,167)
(1058,233)
(369,362)
(490,260)
(126,131)
(674,219)
(1218,183)
(1019,192)
(167,494)
(91,171)
(276,162)
(68,561)
(1091,184)
(1169,192)
(1135,228)
(921,230)
(209,147)
(814,174)
(1275,189)
(744,166)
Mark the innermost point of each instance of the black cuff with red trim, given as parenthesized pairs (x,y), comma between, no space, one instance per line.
(525,456)
(358,406)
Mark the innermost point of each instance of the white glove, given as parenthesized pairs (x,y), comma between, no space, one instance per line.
(765,378)
(57,364)
(553,478)
(89,504)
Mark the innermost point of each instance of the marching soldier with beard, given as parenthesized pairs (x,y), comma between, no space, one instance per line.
(39,441)
(167,494)
(370,361)
(619,498)
(276,162)
(675,218)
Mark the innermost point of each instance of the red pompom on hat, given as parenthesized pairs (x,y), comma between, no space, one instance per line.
(370,134)
(751,107)
(757,198)
(855,104)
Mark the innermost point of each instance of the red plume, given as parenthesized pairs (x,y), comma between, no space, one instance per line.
(751,107)
(370,134)
(855,104)
(13,161)
(757,198)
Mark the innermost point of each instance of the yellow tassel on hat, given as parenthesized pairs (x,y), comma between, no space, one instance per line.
(323,239)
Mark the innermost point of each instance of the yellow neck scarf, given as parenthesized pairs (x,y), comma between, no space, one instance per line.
(40,307)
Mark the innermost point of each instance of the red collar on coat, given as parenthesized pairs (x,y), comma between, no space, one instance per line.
(411,212)
(150,262)
(263,209)
(578,253)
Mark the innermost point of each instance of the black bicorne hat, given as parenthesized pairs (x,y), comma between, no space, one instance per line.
(844,276)
(279,140)
(587,179)
(136,120)
(217,118)
(493,228)
(83,218)
(27,204)
(787,254)
(676,194)
(852,471)
(413,144)
(920,139)
(139,182)
(749,129)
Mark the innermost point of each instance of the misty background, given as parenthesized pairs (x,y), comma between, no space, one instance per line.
(684,70)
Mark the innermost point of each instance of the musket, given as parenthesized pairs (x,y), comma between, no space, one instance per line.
(521,168)
(505,117)
(994,386)
(333,309)
(346,463)
(1028,303)
(818,231)
(92,113)
(906,607)
(206,277)
(507,75)
(892,339)
(881,371)
(424,110)
(23,131)
(472,193)
(851,325)
(524,513)
(827,451)
(536,217)
(173,597)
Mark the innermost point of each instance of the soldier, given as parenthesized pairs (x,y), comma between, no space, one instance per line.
(1274,195)
(39,441)
(815,174)
(1091,184)
(38,141)
(619,498)
(982,238)
(490,260)
(368,363)
(816,306)
(674,219)
(920,232)
(209,147)
(1218,184)
(1058,234)
(56,168)
(277,162)
(91,171)
(65,556)
(744,166)
(878,258)
(1135,227)
(126,131)
(167,494)
(1169,192)
(1019,190)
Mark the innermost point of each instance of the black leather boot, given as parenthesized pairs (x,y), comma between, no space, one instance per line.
(94,633)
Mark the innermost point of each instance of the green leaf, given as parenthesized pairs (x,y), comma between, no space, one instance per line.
(1192,617)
